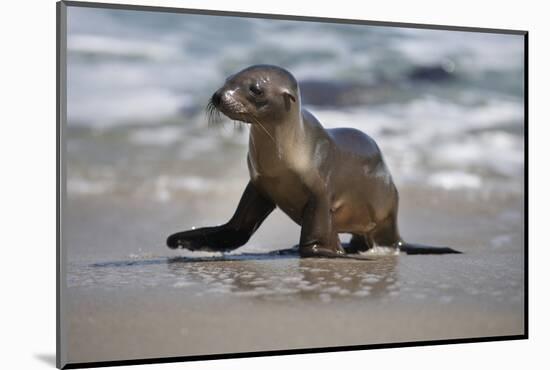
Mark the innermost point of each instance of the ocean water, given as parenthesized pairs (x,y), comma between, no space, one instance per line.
(445,107)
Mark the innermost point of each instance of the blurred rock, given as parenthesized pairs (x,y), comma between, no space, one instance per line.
(434,73)
(329,93)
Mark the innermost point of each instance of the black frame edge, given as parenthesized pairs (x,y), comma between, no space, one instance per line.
(57,68)
(61,37)
(222,356)
(526,182)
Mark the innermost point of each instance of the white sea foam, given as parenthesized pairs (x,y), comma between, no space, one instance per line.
(426,115)
(499,152)
(116,46)
(198,145)
(110,108)
(450,180)
(381,251)
(479,51)
(193,183)
(80,186)
(166,185)
(156,136)
(439,133)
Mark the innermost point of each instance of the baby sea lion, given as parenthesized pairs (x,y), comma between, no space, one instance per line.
(328,181)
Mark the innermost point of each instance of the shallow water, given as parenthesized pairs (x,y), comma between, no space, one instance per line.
(151,301)
(288,278)
(163,308)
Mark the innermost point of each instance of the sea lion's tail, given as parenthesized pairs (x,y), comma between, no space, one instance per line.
(411,248)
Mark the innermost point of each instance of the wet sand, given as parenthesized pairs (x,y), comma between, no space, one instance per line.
(131,297)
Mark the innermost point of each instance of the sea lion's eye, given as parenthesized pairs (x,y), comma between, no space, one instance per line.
(255,90)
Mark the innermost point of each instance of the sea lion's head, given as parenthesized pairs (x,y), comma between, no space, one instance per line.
(260,94)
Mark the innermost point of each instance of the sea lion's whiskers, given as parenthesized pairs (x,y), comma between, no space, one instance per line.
(263,128)
(251,142)
(212,113)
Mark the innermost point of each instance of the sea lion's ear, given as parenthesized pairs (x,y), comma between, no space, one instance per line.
(288,96)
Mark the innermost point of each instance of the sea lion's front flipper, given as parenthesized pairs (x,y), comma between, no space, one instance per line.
(317,238)
(252,210)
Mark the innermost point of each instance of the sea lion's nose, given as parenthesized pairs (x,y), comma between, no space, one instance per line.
(217,98)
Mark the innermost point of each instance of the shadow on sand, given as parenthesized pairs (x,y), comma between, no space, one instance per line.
(271,255)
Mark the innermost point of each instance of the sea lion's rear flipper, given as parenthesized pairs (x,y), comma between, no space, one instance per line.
(358,243)
(252,210)
(410,248)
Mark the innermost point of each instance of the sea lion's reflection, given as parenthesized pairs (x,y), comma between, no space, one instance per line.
(359,278)
(290,278)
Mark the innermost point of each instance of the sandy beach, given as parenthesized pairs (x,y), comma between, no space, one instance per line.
(155,303)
